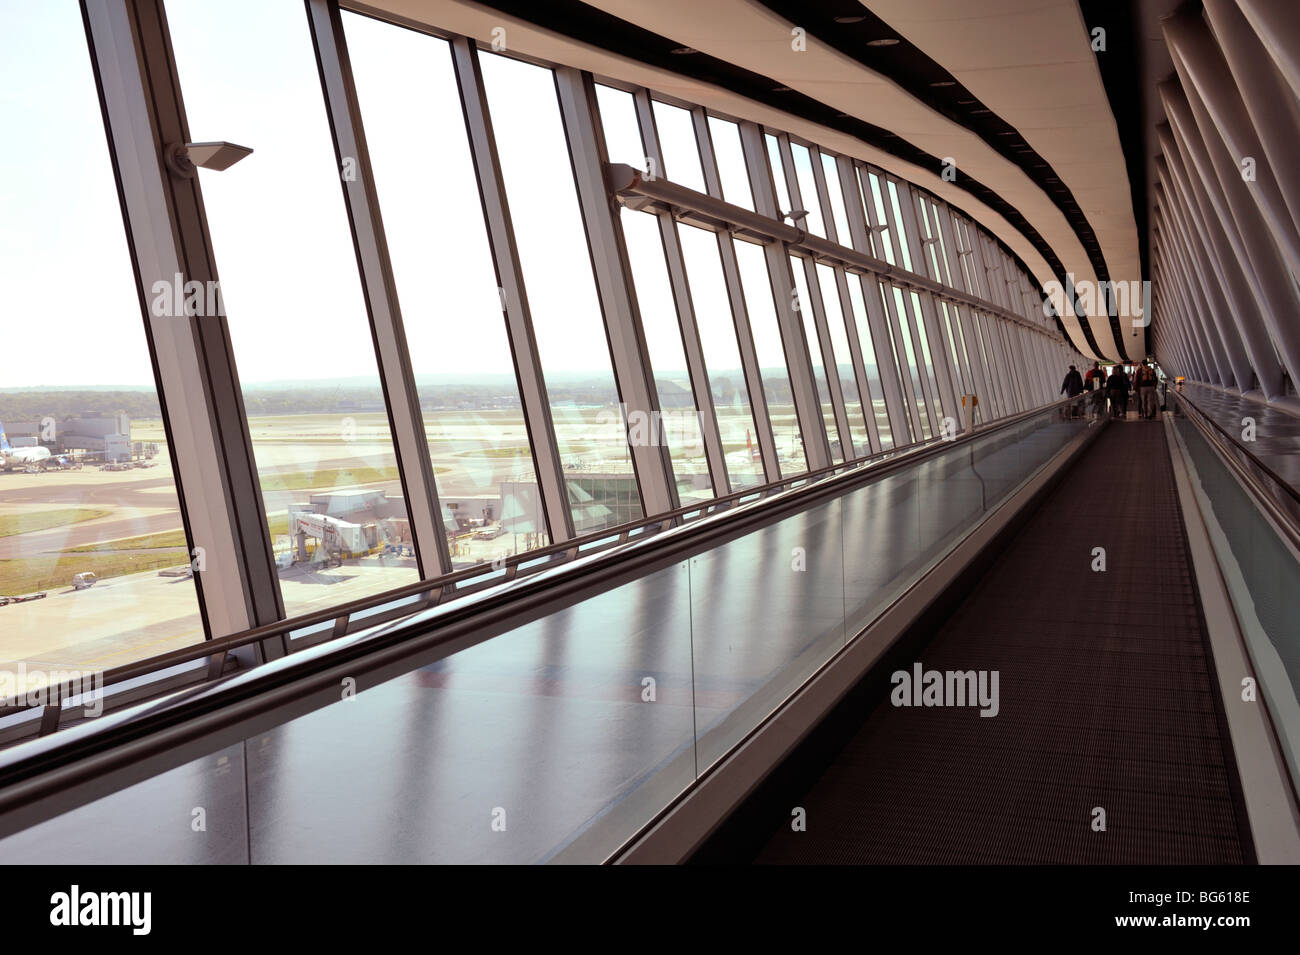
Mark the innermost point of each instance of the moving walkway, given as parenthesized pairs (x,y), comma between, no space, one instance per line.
(647,695)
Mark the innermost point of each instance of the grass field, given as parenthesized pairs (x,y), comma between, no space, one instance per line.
(326,477)
(43,520)
(55,571)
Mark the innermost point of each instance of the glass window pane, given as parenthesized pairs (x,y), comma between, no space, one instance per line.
(808,196)
(778,173)
(884,245)
(567,319)
(681,152)
(919,317)
(619,122)
(901,237)
(900,360)
(914,369)
(870,362)
(770,351)
(447,286)
(730,156)
(297,315)
(714,318)
(963,376)
(89,488)
(832,173)
(843,360)
(804,306)
(678,412)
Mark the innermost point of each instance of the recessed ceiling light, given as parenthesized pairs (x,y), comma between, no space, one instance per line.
(884,41)
(683,51)
(977,112)
(1008,132)
(965,102)
(849,19)
(782,89)
(939,83)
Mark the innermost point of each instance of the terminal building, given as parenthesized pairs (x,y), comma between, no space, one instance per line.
(985,550)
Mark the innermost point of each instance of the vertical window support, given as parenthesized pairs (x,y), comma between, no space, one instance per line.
(802,381)
(410,445)
(203,408)
(860,228)
(609,258)
(740,314)
(523,341)
(865,393)
(687,323)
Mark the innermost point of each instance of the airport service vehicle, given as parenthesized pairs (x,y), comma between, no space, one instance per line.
(21,457)
(490,533)
(84,580)
(20,600)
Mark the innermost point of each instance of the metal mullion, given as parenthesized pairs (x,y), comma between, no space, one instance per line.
(949,247)
(410,443)
(859,226)
(802,381)
(219,493)
(1163,254)
(613,273)
(855,355)
(819,309)
(923,367)
(519,323)
(688,326)
(1214,306)
(828,358)
(824,198)
(1000,406)
(1183,270)
(1016,364)
(944,374)
(739,312)
(897,322)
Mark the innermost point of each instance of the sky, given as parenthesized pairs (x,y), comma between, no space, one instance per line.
(278,221)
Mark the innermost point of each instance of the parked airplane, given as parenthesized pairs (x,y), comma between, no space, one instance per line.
(20,457)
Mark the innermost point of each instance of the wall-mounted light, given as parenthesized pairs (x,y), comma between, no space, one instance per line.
(184,159)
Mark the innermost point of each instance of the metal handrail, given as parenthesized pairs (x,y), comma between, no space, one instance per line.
(439,589)
(1288,522)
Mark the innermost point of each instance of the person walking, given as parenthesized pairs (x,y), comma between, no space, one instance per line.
(1072,386)
(1117,388)
(1146,386)
(1095,382)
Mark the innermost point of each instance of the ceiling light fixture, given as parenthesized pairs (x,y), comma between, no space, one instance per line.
(849,19)
(884,41)
(683,51)
(940,83)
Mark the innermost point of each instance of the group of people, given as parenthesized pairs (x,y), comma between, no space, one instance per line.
(1116,387)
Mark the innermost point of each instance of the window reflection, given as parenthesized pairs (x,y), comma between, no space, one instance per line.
(713,316)
(567,319)
(677,142)
(843,360)
(447,286)
(679,416)
(297,315)
(770,351)
(778,174)
(870,362)
(831,173)
(730,156)
(86,473)
(804,306)
(808,196)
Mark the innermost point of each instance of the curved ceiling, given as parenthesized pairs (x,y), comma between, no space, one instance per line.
(1024,79)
